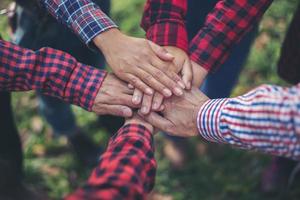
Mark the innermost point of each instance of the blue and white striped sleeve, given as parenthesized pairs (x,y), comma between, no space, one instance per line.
(266,119)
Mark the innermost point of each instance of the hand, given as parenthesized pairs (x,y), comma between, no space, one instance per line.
(199,74)
(135,60)
(179,117)
(113,98)
(182,65)
(136,119)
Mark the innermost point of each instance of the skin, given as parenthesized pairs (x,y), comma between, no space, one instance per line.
(191,72)
(114,98)
(140,62)
(182,66)
(179,118)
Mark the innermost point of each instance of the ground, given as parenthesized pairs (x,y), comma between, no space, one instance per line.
(214,172)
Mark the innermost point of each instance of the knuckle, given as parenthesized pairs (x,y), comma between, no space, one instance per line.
(148,77)
(134,80)
(158,74)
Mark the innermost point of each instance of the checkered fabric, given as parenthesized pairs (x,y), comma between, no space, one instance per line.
(84,17)
(229,21)
(53,72)
(125,171)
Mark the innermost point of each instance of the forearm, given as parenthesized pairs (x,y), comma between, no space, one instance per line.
(53,72)
(266,119)
(126,170)
(224,27)
(84,17)
(164,22)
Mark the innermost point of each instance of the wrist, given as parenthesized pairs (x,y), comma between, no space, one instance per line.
(107,38)
(199,74)
(136,120)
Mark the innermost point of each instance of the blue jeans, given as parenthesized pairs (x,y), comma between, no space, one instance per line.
(35,32)
(220,83)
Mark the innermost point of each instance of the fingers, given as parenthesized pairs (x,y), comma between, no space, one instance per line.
(161,52)
(138,83)
(123,99)
(187,74)
(146,104)
(153,82)
(168,70)
(158,121)
(161,82)
(130,86)
(157,101)
(116,110)
(137,97)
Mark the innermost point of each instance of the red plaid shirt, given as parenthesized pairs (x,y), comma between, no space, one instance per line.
(229,21)
(53,72)
(125,171)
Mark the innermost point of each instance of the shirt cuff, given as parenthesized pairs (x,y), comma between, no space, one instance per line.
(209,50)
(208,120)
(134,130)
(90,21)
(83,86)
(169,34)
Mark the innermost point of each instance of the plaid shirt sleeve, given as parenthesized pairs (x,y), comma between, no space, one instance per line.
(84,17)
(125,171)
(53,72)
(266,119)
(225,26)
(164,22)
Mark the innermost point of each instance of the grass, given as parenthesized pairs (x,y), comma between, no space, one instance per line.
(214,172)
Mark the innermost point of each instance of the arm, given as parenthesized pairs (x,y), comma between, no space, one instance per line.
(53,72)
(126,170)
(224,27)
(266,119)
(58,74)
(164,22)
(133,60)
(84,17)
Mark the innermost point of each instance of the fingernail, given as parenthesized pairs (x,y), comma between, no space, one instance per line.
(144,110)
(136,99)
(167,92)
(162,107)
(178,91)
(127,112)
(181,84)
(149,91)
(155,106)
(170,55)
(189,85)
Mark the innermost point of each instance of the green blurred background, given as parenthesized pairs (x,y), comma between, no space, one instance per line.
(214,172)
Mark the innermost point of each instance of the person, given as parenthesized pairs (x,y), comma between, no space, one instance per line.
(127,169)
(56,74)
(213,47)
(265,119)
(214,85)
(34,29)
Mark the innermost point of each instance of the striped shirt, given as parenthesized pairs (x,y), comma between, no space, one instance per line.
(266,119)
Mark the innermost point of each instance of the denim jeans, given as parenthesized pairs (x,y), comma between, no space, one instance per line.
(35,32)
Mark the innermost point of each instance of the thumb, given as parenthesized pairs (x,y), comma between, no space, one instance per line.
(161,52)
(187,73)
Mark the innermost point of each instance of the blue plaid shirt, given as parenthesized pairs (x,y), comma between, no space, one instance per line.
(84,17)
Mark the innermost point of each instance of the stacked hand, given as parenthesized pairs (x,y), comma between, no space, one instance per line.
(154,74)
